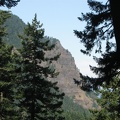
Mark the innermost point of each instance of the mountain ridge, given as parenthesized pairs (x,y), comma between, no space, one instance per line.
(65,65)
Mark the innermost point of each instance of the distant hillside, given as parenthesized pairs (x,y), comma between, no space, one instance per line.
(65,64)
(73,111)
(15,26)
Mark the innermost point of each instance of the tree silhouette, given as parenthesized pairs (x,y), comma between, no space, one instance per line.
(102,28)
(40,97)
(9,3)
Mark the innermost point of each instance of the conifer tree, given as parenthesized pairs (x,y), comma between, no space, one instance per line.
(41,98)
(6,73)
(103,25)
(109,102)
(101,34)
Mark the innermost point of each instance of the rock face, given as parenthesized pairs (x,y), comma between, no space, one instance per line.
(67,69)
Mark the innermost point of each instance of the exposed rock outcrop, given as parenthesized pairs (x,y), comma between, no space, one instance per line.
(68,71)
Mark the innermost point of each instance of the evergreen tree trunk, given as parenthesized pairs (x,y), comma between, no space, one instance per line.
(115,8)
(33,110)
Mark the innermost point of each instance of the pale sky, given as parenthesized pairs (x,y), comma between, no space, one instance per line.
(59,18)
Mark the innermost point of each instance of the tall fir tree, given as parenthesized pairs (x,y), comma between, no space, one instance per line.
(41,98)
(6,73)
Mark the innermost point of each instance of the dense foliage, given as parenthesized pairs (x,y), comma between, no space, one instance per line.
(40,97)
(9,3)
(6,73)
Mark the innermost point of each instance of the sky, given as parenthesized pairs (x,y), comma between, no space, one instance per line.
(59,19)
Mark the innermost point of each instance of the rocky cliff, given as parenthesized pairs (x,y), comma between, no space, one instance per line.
(68,71)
